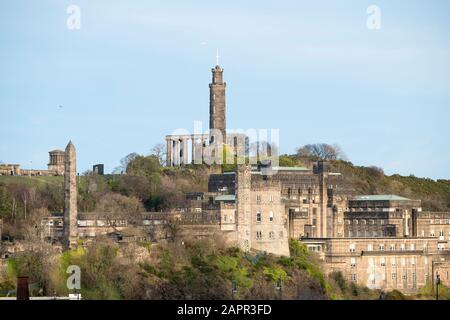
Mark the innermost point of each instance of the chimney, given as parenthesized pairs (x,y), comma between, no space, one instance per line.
(22,289)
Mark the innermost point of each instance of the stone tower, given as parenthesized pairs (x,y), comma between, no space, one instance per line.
(56,162)
(217,108)
(70,197)
(243,206)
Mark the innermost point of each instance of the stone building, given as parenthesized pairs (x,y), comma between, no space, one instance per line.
(314,200)
(381,216)
(10,169)
(55,167)
(404,264)
(217,105)
(380,241)
(56,163)
(198,148)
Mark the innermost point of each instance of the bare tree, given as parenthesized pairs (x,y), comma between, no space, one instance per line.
(321,151)
(124,163)
(159,151)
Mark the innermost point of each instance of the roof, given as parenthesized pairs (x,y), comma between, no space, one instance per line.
(291,169)
(56,151)
(226,197)
(287,168)
(385,197)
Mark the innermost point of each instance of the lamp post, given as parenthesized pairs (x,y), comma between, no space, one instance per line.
(233,289)
(279,288)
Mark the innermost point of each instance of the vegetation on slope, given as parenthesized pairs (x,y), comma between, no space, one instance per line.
(199,269)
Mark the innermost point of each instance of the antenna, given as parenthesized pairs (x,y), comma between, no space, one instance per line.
(217,57)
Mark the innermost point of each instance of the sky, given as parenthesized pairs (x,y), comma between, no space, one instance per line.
(137,70)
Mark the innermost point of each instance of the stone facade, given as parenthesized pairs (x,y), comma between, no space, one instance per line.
(382,216)
(217,104)
(55,167)
(404,264)
(70,197)
(56,163)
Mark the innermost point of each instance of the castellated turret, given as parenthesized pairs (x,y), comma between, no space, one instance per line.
(70,197)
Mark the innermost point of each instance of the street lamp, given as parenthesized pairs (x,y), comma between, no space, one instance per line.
(438,282)
(279,287)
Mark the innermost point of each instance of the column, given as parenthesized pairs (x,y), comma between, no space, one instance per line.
(168,152)
(181,153)
(177,152)
(174,152)
(186,150)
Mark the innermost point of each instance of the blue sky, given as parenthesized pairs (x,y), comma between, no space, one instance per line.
(137,70)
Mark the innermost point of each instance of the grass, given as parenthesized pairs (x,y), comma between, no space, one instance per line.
(33,181)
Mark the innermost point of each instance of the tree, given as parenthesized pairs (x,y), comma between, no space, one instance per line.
(144,166)
(321,151)
(124,163)
(159,151)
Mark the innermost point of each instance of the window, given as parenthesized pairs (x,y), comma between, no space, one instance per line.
(370,247)
(352,262)
(372,221)
(353,277)
(381,247)
(394,276)
(441,246)
(383,262)
(258,198)
(363,221)
(352,247)
(271,216)
(272,235)
(447,221)
(431,233)
(258,217)
(393,263)
(402,247)
(382,222)
(281,234)
(412,247)
(355,221)
(437,221)
(404,276)
(258,235)
(392,247)
(224,218)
